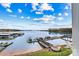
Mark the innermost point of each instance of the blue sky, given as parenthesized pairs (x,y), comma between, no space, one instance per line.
(35,16)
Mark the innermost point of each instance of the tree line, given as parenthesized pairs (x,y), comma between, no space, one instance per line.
(61,30)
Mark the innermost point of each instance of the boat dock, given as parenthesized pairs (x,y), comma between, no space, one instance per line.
(10,34)
(51,47)
(47,45)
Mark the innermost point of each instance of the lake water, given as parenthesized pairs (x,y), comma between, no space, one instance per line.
(20,43)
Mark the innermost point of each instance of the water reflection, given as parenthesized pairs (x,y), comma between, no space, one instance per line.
(21,42)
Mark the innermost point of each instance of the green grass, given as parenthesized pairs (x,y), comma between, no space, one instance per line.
(6,38)
(63,52)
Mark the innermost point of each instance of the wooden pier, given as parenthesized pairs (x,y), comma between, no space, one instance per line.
(44,44)
(49,46)
(65,38)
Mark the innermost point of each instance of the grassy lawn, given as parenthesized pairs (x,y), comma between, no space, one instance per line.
(6,38)
(63,52)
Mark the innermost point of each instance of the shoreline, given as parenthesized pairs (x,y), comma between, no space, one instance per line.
(41,52)
(10,53)
(46,52)
(29,53)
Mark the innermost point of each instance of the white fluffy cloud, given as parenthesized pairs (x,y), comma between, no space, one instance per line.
(46,18)
(59,14)
(66,14)
(8,10)
(41,7)
(36,19)
(46,6)
(60,18)
(53,22)
(70,6)
(38,12)
(6,5)
(28,17)
(34,6)
(49,17)
(66,7)
(19,10)
(22,17)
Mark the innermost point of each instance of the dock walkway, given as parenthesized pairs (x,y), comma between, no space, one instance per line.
(49,46)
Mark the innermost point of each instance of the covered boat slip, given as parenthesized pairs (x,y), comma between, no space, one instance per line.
(4,35)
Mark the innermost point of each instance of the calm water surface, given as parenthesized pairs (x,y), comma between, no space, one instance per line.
(20,43)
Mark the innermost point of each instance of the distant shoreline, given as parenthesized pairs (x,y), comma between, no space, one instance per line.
(31,30)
